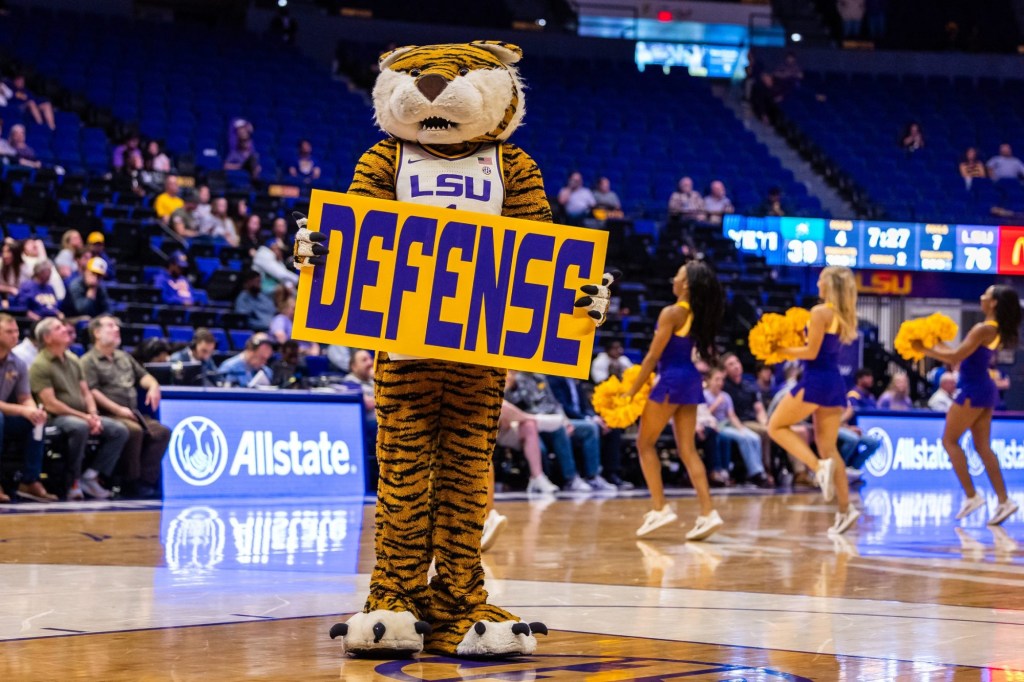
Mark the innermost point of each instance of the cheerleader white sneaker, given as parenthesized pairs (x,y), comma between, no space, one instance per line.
(655,519)
(493,525)
(1004,511)
(843,521)
(705,526)
(971,505)
(823,476)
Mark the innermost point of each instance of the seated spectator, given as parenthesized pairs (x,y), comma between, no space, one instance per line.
(731,429)
(533,395)
(25,155)
(942,399)
(156,160)
(58,382)
(270,259)
(861,396)
(281,326)
(747,402)
(127,149)
(37,294)
(170,200)
(96,243)
(685,203)
(33,252)
(912,138)
(249,368)
(87,295)
(153,349)
(789,74)
(40,109)
(11,276)
(289,370)
(305,168)
(773,205)
(576,200)
(717,203)
(252,235)
(855,446)
(339,357)
(607,200)
(258,307)
(1005,166)
(971,167)
(244,157)
(518,430)
(200,350)
(6,150)
(897,395)
(221,226)
(765,380)
(717,455)
(19,416)
(70,243)
(202,214)
(182,221)
(611,362)
(175,287)
(114,377)
(577,405)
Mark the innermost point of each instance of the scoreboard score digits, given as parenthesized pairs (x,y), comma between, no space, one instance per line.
(876,245)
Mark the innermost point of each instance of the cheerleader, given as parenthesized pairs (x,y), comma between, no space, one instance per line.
(977,396)
(691,323)
(821,391)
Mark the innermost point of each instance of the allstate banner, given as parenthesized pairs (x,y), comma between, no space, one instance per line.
(911,453)
(451,285)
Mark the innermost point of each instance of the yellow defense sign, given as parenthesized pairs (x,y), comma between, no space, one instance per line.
(450,285)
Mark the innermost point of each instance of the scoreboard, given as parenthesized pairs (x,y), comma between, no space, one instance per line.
(877,245)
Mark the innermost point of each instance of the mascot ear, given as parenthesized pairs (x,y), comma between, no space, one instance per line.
(506,52)
(386,59)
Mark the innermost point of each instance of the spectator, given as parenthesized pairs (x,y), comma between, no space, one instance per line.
(169,201)
(258,308)
(518,430)
(59,384)
(175,286)
(200,350)
(1005,166)
(34,252)
(281,326)
(912,138)
(789,74)
(971,167)
(943,398)
(6,150)
(607,200)
(249,368)
(717,203)
(202,215)
(577,405)
(66,262)
(746,402)
(764,95)
(244,157)
(114,377)
(153,349)
(773,204)
(19,415)
(131,178)
(360,375)
(270,260)
(221,226)
(10,271)
(183,220)
(860,397)
(611,362)
(532,394)
(897,395)
(41,109)
(127,149)
(305,168)
(765,380)
(156,160)
(852,14)
(251,236)
(38,296)
(96,243)
(686,203)
(339,357)
(290,370)
(576,200)
(87,295)
(730,429)
(25,154)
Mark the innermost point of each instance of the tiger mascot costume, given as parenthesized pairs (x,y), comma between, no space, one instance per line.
(448,110)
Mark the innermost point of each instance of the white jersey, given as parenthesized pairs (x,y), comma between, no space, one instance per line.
(471,182)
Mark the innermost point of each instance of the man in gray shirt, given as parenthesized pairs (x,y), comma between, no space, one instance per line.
(1005,166)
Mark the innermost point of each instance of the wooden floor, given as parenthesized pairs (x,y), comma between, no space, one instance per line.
(229,592)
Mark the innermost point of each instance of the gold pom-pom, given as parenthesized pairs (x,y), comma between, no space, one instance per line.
(927,330)
(798,319)
(616,411)
(774,332)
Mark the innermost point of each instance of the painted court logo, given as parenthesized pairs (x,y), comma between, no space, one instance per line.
(198,451)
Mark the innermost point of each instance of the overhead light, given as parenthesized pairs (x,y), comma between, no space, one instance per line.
(542,22)
(796,37)
(282,3)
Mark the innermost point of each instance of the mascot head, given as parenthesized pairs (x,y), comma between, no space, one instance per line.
(446,94)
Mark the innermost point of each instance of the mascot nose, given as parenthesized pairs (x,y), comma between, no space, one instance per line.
(431,86)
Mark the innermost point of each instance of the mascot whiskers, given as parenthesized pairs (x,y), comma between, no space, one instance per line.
(448,109)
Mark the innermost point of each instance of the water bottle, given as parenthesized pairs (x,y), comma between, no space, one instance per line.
(37,432)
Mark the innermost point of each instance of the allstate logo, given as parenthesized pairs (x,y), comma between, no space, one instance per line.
(198,451)
(881,462)
(974,464)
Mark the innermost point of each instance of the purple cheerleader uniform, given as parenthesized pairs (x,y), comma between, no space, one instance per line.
(678,378)
(976,384)
(822,383)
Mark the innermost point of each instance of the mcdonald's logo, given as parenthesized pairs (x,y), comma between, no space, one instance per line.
(1011,250)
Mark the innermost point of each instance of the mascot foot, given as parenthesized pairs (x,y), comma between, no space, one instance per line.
(486,639)
(382,634)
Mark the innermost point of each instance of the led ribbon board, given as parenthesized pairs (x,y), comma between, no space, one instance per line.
(450,285)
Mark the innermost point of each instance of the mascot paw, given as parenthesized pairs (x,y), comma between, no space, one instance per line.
(487,639)
(595,302)
(309,248)
(382,634)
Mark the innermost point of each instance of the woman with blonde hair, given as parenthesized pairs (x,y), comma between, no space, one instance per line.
(822,392)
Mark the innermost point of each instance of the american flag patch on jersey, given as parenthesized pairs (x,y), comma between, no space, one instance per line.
(483,160)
